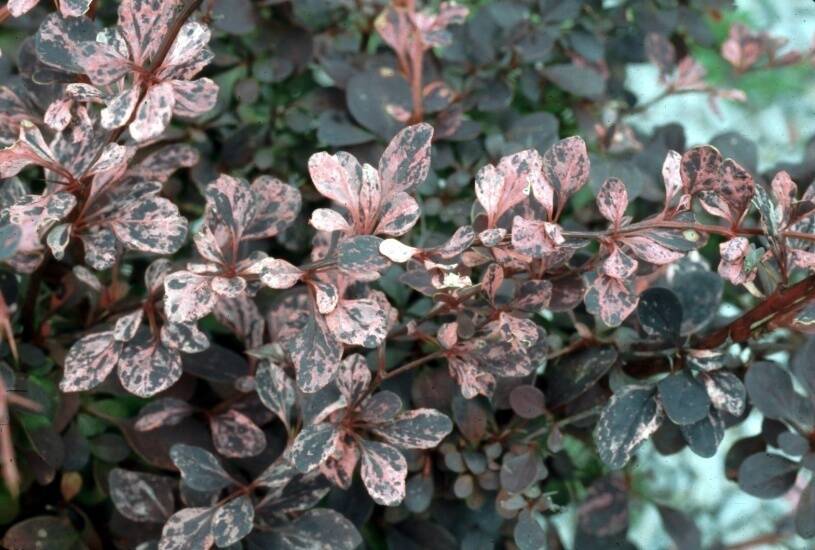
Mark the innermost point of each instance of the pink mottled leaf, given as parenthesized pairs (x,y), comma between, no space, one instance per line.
(147,367)
(184,337)
(448,335)
(785,192)
(166,411)
(151,225)
(671,176)
(161,163)
(112,158)
(631,417)
(231,202)
(651,251)
(340,466)
(533,295)
(472,379)
(276,390)
(732,265)
(233,521)
(235,435)
(500,188)
(58,115)
(74,8)
(416,429)
(489,184)
(353,377)
(326,296)
(143,22)
(492,280)
(359,256)
(612,200)
(316,353)
(313,445)
(700,169)
(612,299)
(359,322)
(228,287)
(337,177)
(194,97)
(120,108)
(187,297)
(276,207)
(191,39)
(20,7)
(276,273)
(396,251)
(566,167)
(154,112)
(325,219)
(30,148)
(397,215)
(57,240)
(127,325)
(102,63)
(188,528)
(384,470)
(58,40)
(140,496)
(406,160)
(535,238)
(619,265)
(90,361)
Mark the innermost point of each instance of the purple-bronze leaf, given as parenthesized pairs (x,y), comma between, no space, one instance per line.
(566,167)
(188,528)
(89,361)
(313,445)
(316,355)
(406,160)
(187,297)
(384,470)
(147,367)
(612,200)
(236,436)
(140,496)
(416,429)
(359,322)
(233,521)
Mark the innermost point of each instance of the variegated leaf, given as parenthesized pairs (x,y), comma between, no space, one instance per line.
(612,299)
(152,225)
(700,169)
(353,377)
(232,202)
(566,167)
(276,390)
(102,63)
(90,361)
(277,206)
(359,322)
(276,273)
(199,468)
(194,97)
(672,176)
(313,445)
(325,219)
(380,407)
(339,468)
(191,38)
(630,418)
(119,110)
(384,470)
(58,40)
(187,297)
(57,240)
(140,496)
(397,215)
(154,112)
(235,435)
(406,160)
(166,411)
(359,256)
(651,251)
(535,238)
(147,367)
(127,325)
(416,429)
(612,200)
(188,528)
(337,177)
(228,287)
(161,163)
(142,22)
(316,354)
(233,521)
(396,251)
(184,337)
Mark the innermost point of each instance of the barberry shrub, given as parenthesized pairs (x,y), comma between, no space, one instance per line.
(323,274)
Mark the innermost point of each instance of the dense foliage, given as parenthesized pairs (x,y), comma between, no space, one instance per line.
(331,273)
